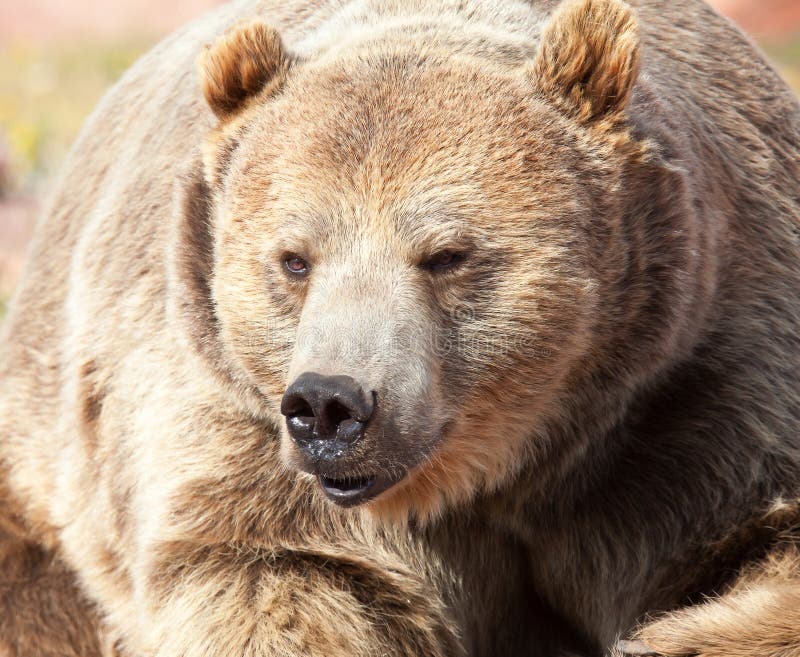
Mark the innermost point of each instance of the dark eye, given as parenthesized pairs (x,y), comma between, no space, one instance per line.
(295,265)
(444,260)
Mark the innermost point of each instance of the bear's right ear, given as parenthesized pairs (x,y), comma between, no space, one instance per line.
(240,64)
(588,60)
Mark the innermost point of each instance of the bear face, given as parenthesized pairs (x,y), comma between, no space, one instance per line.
(425,267)
(408,248)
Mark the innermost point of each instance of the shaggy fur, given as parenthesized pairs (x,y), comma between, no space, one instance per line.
(594,417)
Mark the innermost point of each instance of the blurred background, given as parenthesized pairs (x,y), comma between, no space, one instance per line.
(57,58)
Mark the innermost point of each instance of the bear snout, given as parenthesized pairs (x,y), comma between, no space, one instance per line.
(326,415)
(327,418)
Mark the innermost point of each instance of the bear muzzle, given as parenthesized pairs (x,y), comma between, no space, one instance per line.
(326,415)
(327,418)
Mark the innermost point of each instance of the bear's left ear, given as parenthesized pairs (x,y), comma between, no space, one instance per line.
(241,64)
(588,59)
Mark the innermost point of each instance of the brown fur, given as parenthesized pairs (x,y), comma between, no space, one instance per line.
(605,447)
(757,616)
(754,614)
(594,75)
(240,65)
(42,612)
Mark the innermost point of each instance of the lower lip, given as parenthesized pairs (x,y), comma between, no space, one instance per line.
(347,493)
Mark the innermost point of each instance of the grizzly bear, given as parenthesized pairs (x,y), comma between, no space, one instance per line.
(436,328)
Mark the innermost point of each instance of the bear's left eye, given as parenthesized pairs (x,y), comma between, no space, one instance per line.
(443,260)
(295,265)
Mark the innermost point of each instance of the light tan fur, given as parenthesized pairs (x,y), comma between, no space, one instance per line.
(593,419)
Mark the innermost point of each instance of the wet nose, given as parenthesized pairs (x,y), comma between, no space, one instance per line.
(323,411)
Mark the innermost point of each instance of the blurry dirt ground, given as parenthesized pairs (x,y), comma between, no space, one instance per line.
(57,58)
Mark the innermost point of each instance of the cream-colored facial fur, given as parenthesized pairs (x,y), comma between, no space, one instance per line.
(606,445)
(370,165)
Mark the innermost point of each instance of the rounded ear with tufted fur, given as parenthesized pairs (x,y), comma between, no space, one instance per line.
(241,64)
(588,59)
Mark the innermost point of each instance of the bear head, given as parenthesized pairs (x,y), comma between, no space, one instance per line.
(404,256)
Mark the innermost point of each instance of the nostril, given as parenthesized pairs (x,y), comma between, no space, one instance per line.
(300,418)
(332,416)
(300,426)
(298,407)
(326,407)
(336,413)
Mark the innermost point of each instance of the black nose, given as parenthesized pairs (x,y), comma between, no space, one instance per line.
(323,411)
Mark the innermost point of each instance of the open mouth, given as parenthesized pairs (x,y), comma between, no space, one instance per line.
(352,491)
(347,491)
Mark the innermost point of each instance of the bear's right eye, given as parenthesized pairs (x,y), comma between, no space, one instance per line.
(295,265)
(443,260)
